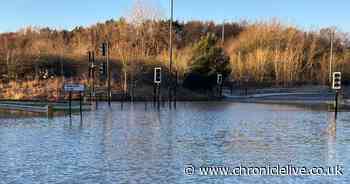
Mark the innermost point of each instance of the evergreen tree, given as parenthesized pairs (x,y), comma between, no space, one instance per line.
(207,61)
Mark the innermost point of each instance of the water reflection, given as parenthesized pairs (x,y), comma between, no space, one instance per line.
(139,144)
(332,140)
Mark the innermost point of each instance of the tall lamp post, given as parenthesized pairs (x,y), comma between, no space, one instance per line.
(223,33)
(332,32)
(171,47)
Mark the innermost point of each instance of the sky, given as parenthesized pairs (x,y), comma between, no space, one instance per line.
(67,14)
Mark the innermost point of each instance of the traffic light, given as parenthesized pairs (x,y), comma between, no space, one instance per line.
(157,75)
(336,80)
(104,48)
(102,69)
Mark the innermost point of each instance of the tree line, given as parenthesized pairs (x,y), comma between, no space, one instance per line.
(262,52)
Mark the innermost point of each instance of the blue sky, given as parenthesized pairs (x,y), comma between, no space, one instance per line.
(66,14)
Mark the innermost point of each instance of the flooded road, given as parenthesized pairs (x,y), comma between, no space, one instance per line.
(139,144)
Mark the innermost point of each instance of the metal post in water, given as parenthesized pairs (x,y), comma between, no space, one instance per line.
(96,101)
(70,105)
(93,79)
(154,94)
(336,104)
(80,106)
(159,96)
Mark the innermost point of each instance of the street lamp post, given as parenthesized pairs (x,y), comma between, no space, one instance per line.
(223,33)
(171,47)
(331,55)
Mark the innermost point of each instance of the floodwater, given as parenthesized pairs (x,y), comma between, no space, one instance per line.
(140,144)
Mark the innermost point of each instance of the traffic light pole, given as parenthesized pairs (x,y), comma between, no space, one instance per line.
(93,79)
(336,104)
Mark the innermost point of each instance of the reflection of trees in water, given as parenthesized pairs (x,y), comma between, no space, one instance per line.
(18,114)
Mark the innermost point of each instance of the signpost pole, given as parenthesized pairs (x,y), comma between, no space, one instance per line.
(74,88)
(159,95)
(154,94)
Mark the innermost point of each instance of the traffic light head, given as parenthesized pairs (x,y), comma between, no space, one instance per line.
(336,80)
(104,49)
(102,69)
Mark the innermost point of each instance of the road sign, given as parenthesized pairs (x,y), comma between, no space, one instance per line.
(74,88)
(336,80)
(157,75)
(219,79)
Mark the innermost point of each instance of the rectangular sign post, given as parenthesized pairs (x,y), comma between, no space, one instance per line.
(74,88)
(336,85)
(158,75)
